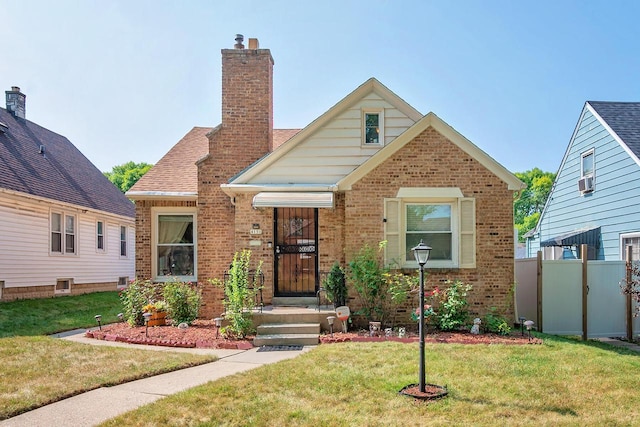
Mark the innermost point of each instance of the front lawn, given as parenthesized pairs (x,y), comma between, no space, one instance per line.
(36,370)
(561,382)
(50,315)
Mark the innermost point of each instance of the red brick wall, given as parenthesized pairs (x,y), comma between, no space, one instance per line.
(430,160)
(245,136)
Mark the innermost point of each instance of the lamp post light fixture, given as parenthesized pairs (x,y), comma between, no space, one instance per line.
(121,317)
(146,316)
(331,319)
(522,319)
(99,320)
(529,324)
(421,252)
(218,323)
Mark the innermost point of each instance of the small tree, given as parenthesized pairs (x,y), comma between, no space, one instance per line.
(125,175)
(240,288)
(183,301)
(630,285)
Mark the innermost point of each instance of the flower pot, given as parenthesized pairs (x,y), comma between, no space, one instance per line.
(158,318)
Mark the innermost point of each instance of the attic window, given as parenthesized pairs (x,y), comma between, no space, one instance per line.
(373,132)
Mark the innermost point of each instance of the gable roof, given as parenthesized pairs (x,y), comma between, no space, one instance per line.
(57,171)
(176,173)
(622,119)
(371,85)
(431,120)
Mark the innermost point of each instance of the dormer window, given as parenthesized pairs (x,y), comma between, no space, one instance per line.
(373,131)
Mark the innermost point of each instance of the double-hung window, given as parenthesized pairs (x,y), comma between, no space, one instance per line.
(100,242)
(175,244)
(441,218)
(373,128)
(63,233)
(123,241)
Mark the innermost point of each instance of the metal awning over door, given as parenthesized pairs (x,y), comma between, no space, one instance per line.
(293,200)
(589,237)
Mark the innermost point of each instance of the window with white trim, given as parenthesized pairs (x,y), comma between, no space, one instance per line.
(448,226)
(63,233)
(63,286)
(587,163)
(123,241)
(373,127)
(174,248)
(633,240)
(100,241)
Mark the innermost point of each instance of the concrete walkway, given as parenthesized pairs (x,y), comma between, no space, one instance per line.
(99,405)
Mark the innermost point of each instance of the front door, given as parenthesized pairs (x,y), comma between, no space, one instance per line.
(296,252)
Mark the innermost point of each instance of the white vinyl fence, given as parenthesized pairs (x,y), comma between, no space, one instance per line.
(561,299)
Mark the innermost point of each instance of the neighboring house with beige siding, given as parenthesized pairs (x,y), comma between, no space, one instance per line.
(371,168)
(65,229)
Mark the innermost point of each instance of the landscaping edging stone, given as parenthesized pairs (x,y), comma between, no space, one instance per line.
(239,345)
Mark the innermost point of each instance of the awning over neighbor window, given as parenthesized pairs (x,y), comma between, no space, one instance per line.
(293,200)
(589,237)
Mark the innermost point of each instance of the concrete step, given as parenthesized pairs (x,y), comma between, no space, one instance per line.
(294,301)
(286,339)
(288,328)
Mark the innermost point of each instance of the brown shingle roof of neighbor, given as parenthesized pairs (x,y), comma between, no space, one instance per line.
(36,161)
(176,171)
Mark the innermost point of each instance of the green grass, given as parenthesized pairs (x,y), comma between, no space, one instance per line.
(36,370)
(51,315)
(561,382)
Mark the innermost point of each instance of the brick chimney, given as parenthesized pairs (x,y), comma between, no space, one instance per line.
(247,98)
(16,104)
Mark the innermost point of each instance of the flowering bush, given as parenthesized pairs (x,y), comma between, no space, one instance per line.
(182,300)
(136,298)
(448,308)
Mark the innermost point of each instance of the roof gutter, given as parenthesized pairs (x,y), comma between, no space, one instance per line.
(171,195)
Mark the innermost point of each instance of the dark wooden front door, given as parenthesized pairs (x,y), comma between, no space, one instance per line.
(296,252)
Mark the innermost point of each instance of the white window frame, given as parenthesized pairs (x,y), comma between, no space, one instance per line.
(125,241)
(63,291)
(623,250)
(455,239)
(463,228)
(588,153)
(102,249)
(380,113)
(63,233)
(156,212)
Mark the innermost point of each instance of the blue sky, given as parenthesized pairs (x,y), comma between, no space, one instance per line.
(125,80)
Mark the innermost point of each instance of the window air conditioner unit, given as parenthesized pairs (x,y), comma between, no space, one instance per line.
(585,184)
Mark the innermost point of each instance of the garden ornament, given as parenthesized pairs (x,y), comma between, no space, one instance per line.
(475,329)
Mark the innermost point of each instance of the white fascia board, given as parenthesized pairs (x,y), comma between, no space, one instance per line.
(233,189)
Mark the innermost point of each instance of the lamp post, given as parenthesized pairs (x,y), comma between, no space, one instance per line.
(529,324)
(218,323)
(330,320)
(146,316)
(421,252)
(99,320)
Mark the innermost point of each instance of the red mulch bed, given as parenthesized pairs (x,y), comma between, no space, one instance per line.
(461,337)
(202,333)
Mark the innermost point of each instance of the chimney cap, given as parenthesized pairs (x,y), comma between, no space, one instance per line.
(15,88)
(239,39)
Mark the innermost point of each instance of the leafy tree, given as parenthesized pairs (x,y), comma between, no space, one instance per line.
(529,203)
(127,174)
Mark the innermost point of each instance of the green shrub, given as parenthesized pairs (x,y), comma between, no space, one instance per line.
(183,301)
(496,323)
(336,286)
(138,294)
(451,310)
(240,289)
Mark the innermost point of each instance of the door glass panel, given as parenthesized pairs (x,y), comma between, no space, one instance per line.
(296,252)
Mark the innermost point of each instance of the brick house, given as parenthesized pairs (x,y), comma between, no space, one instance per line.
(371,168)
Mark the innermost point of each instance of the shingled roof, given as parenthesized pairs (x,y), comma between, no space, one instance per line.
(624,119)
(38,162)
(176,171)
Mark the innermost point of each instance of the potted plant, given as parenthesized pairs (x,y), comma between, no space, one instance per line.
(158,312)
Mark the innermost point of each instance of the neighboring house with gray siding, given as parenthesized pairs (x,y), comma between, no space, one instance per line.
(65,229)
(595,197)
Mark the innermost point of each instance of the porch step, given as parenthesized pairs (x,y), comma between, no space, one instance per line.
(294,301)
(287,334)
